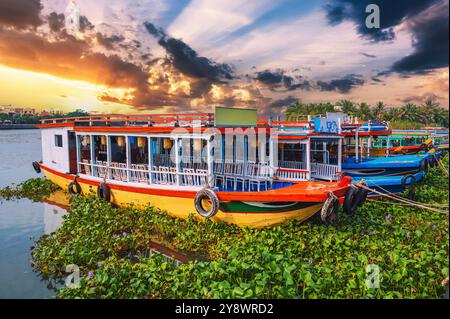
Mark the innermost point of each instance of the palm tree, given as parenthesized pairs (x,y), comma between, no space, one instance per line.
(409,112)
(364,111)
(379,110)
(347,107)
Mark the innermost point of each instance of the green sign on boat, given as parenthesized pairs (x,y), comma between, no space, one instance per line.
(231,116)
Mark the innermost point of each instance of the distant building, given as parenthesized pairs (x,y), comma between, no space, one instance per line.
(20,111)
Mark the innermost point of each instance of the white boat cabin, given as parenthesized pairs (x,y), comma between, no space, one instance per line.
(182,151)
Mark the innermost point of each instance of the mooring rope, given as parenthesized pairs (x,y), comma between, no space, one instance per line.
(442,166)
(405,199)
(408,202)
(401,204)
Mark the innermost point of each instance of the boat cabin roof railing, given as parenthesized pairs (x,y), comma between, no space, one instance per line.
(179,119)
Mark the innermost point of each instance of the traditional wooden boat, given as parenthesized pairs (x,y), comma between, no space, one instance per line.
(402,142)
(352,152)
(221,166)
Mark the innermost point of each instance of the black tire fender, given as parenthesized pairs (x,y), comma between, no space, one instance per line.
(362,196)
(405,181)
(328,213)
(432,160)
(74,188)
(36,167)
(411,194)
(104,192)
(351,200)
(209,194)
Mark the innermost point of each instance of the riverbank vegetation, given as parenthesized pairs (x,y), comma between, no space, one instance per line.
(296,260)
(408,116)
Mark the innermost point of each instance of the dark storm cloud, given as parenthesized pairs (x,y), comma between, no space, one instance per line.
(20,14)
(392,13)
(278,78)
(343,85)
(284,102)
(85,24)
(368,55)
(108,41)
(56,21)
(430,42)
(187,61)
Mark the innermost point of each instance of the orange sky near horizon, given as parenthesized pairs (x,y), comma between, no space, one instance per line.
(42,91)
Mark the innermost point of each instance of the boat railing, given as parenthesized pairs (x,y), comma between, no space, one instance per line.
(292,164)
(181,119)
(230,175)
(324,171)
(291,174)
(140,173)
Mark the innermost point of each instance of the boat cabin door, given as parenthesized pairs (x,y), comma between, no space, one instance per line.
(72,152)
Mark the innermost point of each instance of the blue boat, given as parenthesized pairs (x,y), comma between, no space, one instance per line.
(386,166)
(390,174)
(390,184)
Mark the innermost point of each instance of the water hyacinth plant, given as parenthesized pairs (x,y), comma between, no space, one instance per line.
(295,260)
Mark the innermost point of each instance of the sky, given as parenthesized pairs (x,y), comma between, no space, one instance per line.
(154,56)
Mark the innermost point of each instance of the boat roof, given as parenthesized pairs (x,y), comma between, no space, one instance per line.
(165,123)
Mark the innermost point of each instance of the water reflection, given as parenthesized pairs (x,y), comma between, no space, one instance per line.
(55,207)
(22,222)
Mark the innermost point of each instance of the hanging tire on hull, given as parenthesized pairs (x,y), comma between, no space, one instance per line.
(328,213)
(36,167)
(354,198)
(411,184)
(411,194)
(74,188)
(206,194)
(432,161)
(103,192)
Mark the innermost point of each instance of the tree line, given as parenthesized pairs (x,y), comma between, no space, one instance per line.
(408,116)
(35,119)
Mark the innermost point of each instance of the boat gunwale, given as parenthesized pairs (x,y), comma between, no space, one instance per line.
(284,194)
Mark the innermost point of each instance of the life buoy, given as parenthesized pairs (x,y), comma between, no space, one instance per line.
(328,213)
(405,183)
(103,192)
(37,167)
(74,188)
(209,195)
(352,200)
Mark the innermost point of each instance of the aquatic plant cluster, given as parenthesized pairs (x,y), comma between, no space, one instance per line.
(295,260)
(35,189)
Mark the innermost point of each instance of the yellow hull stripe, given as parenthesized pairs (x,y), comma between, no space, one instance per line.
(182,207)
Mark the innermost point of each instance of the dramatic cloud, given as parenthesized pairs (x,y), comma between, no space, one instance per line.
(392,14)
(108,41)
(343,85)
(187,61)
(56,21)
(85,24)
(218,53)
(284,102)
(278,78)
(69,58)
(20,14)
(430,41)
(367,55)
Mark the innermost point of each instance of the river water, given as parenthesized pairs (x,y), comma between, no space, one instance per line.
(22,221)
